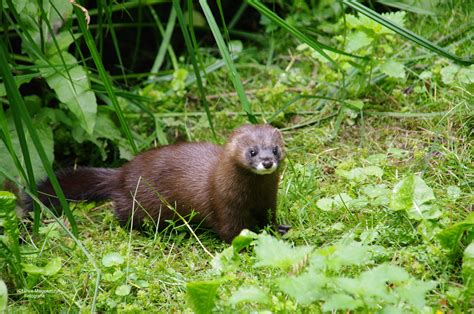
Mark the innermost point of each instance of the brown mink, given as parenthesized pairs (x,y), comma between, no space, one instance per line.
(230,187)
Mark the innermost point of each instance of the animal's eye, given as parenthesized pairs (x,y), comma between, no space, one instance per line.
(275,150)
(253,152)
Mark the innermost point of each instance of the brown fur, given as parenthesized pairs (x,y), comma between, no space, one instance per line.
(215,181)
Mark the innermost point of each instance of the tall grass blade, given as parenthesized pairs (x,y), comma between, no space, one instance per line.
(113,34)
(172,55)
(405,32)
(104,76)
(165,43)
(234,75)
(192,54)
(17,104)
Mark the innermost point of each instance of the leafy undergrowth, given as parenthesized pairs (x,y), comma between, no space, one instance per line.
(373,229)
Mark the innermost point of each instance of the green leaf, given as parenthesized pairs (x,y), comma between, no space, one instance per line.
(44,132)
(225,261)
(272,252)
(243,240)
(76,94)
(112,259)
(468,269)
(3,297)
(397,153)
(335,257)
(202,295)
(448,73)
(377,159)
(375,191)
(325,203)
(360,174)
(453,192)
(357,40)
(466,75)
(450,237)
(306,288)
(19,80)
(123,290)
(393,69)
(354,104)
(51,268)
(414,196)
(250,294)
(414,292)
(116,275)
(340,301)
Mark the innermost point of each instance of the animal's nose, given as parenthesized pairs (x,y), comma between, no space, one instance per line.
(267,164)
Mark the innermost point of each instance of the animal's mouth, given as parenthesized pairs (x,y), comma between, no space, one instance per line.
(265,168)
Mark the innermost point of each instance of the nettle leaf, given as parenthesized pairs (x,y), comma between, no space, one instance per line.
(466,75)
(76,94)
(306,288)
(393,69)
(357,40)
(368,23)
(415,197)
(270,251)
(448,73)
(225,261)
(112,259)
(360,174)
(450,237)
(414,292)
(342,200)
(202,295)
(250,294)
(352,253)
(468,268)
(325,203)
(340,301)
(51,268)
(123,290)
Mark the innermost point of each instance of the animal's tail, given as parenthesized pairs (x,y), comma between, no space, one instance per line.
(83,183)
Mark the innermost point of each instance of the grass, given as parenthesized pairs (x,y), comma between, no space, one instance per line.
(395,131)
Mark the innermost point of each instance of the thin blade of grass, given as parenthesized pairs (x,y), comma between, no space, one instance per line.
(172,55)
(237,15)
(405,32)
(192,54)
(165,43)
(233,74)
(104,76)
(406,7)
(16,102)
(114,41)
